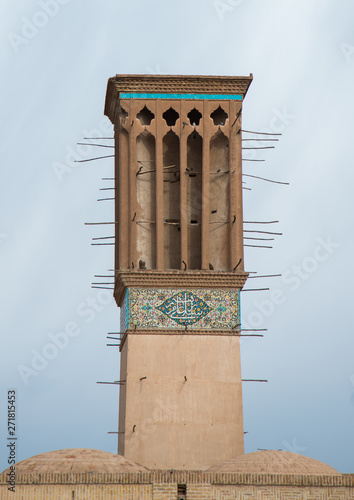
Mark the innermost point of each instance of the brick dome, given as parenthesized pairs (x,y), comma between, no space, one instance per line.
(77,460)
(274,462)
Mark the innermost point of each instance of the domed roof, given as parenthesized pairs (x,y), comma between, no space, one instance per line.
(274,462)
(77,460)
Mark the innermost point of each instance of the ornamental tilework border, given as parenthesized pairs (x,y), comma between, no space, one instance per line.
(178,308)
(124,320)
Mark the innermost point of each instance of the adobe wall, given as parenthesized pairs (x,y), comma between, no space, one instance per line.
(162,485)
(184,409)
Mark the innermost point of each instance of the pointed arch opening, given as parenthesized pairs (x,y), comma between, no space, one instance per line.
(122,113)
(194,117)
(170,116)
(145,116)
(194,199)
(171,204)
(219,202)
(146,201)
(219,116)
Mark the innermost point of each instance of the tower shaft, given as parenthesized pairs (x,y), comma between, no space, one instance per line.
(179,266)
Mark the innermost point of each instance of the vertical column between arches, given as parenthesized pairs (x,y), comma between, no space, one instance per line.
(194,177)
(132,183)
(122,193)
(205,187)
(159,189)
(236,211)
(171,205)
(116,197)
(183,186)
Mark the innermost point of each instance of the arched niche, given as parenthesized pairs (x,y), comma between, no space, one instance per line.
(122,114)
(219,116)
(170,116)
(219,202)
(146,201)
(194,117)
(145,116)
(121,229)
(194,199)
(171,204)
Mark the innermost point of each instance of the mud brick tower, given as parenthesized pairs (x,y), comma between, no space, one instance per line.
(179,266)
(179,272)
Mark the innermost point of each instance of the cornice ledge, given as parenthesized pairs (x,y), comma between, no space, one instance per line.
(176,279)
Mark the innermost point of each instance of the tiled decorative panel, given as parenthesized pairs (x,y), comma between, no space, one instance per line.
(176,309)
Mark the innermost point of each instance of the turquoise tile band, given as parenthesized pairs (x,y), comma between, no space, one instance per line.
(210,97)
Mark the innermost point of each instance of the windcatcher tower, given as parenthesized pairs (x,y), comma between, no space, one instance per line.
(179,266)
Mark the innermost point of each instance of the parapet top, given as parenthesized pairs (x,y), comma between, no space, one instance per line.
(173,84)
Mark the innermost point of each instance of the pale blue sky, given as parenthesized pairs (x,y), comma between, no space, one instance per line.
(55,68)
